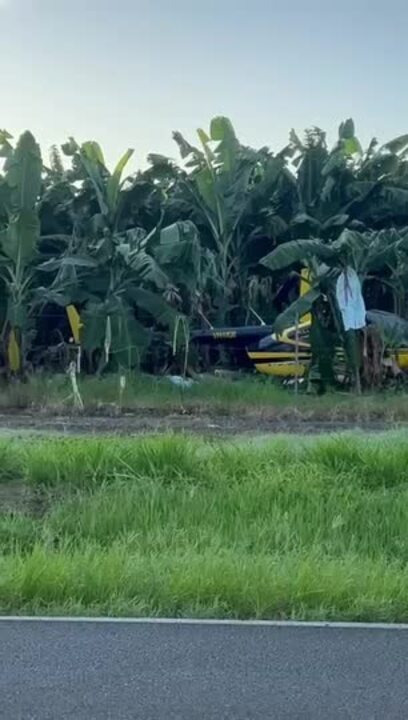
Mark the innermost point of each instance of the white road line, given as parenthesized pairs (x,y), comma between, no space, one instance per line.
(197,621)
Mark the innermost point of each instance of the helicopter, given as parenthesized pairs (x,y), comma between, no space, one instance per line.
(288,354)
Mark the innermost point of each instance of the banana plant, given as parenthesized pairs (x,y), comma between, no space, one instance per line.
(92,270)
(347,186)
(19,242)
(113,275)
(106,185)
(119,289)
(223,180)
(6,147)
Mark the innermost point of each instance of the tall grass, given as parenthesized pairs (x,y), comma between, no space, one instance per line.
(291,527)
(142,391)
(204,585)
(245,394)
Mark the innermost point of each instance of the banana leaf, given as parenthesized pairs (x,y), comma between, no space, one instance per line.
(393,328)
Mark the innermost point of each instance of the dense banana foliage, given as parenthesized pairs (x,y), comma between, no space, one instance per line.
(107,260)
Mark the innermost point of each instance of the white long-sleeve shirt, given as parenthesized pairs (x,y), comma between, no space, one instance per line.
(350,300)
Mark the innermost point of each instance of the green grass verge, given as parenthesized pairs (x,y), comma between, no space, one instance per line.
(170,526)
(244,394)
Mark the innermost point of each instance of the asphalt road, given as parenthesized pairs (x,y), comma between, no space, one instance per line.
(124,671)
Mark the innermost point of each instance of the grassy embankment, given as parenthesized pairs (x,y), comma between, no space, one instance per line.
(291,528)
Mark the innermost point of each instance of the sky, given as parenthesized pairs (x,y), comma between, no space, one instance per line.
(129,72)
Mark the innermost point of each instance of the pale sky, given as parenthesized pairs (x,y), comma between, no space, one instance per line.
(128,72)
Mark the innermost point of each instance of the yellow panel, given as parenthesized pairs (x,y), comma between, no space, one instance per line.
(401,358)
(13,352)
(305,286)
(74,321)
(281,369)
(288,335)
(271,355)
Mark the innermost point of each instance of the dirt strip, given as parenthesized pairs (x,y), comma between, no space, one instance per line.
(207,424)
